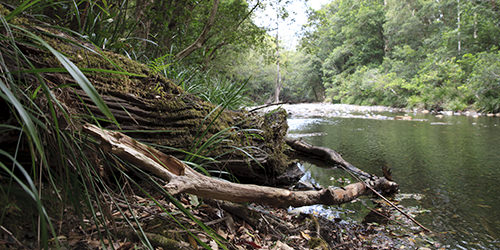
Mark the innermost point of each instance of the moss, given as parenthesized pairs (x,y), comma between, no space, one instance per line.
(317,243)
(152,86)
(4,11)
(18,20)
(172,108)
(275,129)
(106,82)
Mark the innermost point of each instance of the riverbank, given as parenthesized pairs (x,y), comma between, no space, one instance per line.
(167,226)
(329,110)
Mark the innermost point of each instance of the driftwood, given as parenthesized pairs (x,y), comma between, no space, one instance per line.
(325,156)
(328,156)
(183,179)
(142,101)
(267,105)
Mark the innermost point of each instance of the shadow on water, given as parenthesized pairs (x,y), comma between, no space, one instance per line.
(453,162)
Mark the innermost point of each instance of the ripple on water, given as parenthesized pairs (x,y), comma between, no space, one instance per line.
(300,135)
(301,123)
(447,165)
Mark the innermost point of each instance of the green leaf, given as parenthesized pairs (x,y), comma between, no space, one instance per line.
(25,117)
(94,70)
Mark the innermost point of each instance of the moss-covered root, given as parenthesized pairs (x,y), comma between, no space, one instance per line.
(166,243)
(157,240)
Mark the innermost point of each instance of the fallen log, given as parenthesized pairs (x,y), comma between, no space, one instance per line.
(331,157)
(325,156)
(148,107)
(183,179)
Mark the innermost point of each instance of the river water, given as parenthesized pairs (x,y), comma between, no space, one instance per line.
(451,164)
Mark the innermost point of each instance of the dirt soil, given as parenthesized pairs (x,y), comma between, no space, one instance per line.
(166,226)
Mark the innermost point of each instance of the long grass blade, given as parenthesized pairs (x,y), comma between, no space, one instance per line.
(90,70)
(186,212)
(26,118)
(77,74)
(24,6)
(30,188)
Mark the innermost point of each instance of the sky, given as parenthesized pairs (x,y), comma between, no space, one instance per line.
(289,29)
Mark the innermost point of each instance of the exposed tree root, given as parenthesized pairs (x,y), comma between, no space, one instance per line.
(156,240)
(183,179)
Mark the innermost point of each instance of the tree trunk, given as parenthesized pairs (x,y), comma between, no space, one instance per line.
(459,42)
(277,88)
(213,51)
(154,110)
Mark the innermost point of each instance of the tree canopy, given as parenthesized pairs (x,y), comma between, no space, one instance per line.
(418,53)
(425,54)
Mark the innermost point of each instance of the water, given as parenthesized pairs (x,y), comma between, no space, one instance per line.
(454,162)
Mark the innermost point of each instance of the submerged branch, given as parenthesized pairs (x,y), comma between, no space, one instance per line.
(330,156)
(326,155)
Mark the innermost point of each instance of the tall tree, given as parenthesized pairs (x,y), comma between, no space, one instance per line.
(277,87)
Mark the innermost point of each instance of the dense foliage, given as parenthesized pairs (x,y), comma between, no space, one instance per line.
(188,41)
(50,174)
(418,53)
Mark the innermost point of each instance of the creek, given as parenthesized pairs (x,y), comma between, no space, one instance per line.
(448,167)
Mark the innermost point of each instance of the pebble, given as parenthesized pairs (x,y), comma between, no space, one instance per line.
(309,110)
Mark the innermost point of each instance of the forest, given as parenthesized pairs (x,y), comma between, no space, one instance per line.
(424,54)
(435,55)
(123,122)
(418,54)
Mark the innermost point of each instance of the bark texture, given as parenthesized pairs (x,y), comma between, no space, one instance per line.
(155,110)
(183,179)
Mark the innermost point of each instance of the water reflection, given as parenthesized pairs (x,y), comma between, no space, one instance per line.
(453,161)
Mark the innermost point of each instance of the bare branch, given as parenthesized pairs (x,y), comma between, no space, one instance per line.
(203,36)
(187,180)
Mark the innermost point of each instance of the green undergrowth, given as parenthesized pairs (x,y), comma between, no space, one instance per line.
(56,183)
(209,86)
